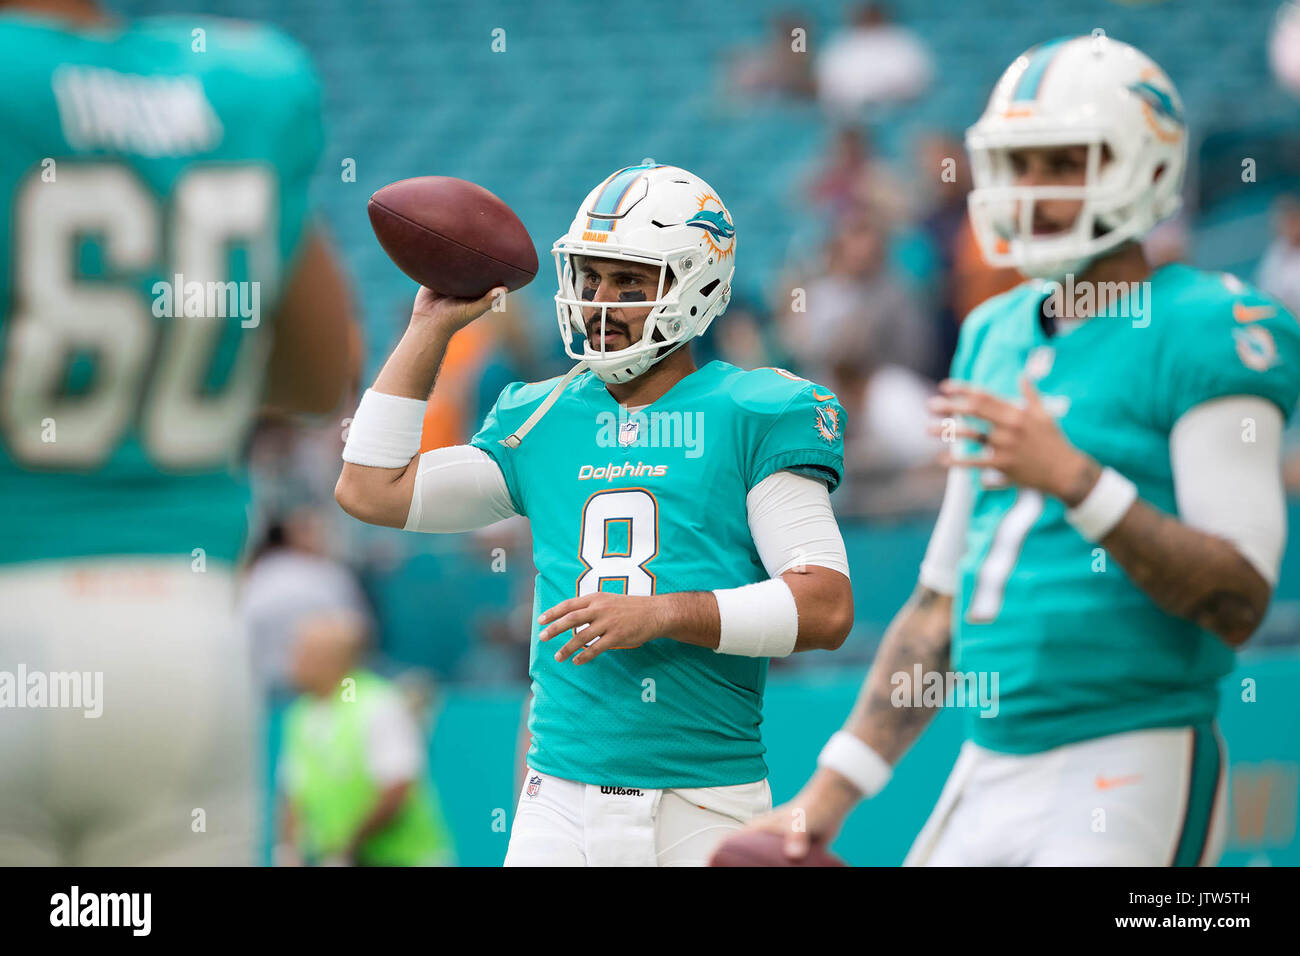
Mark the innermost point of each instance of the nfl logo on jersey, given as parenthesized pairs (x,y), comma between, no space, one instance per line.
(534,785)
(628,432)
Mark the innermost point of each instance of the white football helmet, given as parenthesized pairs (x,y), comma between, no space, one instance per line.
(662,216)
(1087,90)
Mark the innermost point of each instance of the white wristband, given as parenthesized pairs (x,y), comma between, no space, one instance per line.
(1106,504)
(852,758)
(758,620)
(385,431)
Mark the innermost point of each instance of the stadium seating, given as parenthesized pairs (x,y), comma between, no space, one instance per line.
(413,87)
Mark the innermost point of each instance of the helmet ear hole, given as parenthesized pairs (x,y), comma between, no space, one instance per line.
(1160,171)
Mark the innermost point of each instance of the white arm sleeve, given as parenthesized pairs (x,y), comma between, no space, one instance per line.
(1230,486)
(394,752)
(948,540)
(791,522)
(458,489)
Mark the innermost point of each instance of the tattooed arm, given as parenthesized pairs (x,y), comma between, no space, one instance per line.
(1214,564)
(921,633)
(1186,572)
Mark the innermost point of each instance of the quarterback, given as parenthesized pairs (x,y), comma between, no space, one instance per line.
(672,561)
(130,160)
(1114,516)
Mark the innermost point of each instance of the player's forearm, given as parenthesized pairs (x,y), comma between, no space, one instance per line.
(412,369)
(366,489)
(1189,573)
(691,617)
(920,634)
(823,602)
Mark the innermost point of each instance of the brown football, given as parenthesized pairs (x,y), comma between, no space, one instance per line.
(759,848)
(453,236)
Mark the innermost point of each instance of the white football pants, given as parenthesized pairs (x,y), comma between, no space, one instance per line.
(1144,798)
(564,823)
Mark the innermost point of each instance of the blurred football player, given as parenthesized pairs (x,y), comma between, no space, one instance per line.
(647,481)
(1114,516)
(161,281)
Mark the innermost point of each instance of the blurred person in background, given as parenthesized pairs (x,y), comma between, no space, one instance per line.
(292,577)
(863,333)
(855,306)
(1279,276)
(352,768)
(780,66)
(871,63)
(944,182)
(966,277)
(851,176)
(1279,270)
(125,403)
(1110,682)
(1284,47)
(744,340)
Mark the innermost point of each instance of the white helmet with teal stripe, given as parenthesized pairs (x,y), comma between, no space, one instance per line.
(1087,90)
(660,216)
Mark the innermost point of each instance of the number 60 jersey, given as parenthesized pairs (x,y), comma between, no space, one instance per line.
(652,503)
(153,190)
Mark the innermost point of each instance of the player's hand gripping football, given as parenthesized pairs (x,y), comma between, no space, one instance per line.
(1021,440)
(615,621)
(814,815)
(447,314)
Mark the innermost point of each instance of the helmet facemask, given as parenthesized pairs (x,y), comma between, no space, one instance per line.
(665,330)
(1092,92)
(1115,200)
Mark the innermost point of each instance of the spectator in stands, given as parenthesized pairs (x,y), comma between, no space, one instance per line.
(855,307)
(1279,271)
(1284,47)
(780,66)
(872,62)
(944,181)
(852,176)
(741,337)
(352,771)
(1279,276)
(290,579)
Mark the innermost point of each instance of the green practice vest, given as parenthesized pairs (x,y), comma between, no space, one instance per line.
(332,792)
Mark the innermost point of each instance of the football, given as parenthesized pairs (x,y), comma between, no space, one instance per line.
(452,236)
(766,849)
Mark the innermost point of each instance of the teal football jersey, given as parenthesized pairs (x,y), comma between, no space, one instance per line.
(653,503)
(1079,650)
(153,183)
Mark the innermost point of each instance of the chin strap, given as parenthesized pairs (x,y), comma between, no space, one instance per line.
(516,438)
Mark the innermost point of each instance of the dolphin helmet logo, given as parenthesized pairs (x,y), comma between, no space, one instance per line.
(718,230)
(1161,112)
(1157,99)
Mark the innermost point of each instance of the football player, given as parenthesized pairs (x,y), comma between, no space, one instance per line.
(161,280)
(1114,516)
(681,523)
